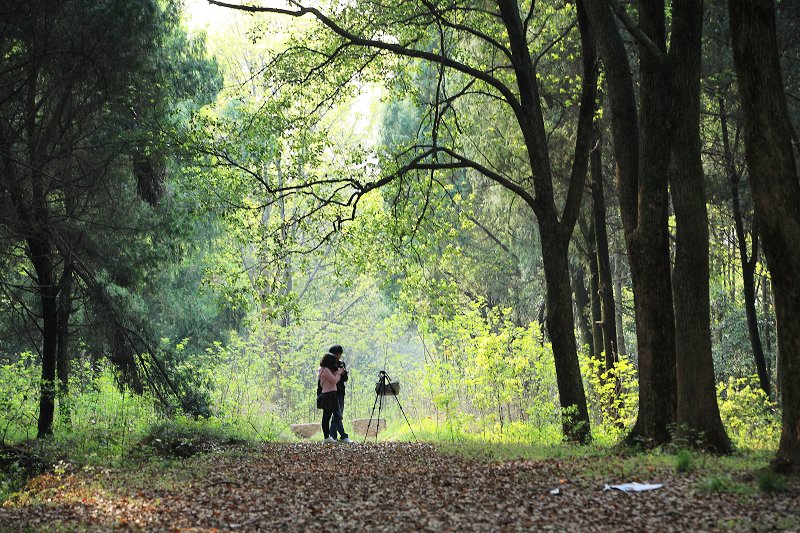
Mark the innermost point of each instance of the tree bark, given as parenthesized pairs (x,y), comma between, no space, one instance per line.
(748,263)
(62,342)
(582,305)
(698,415)
(623,349)
(604,293)
(39,249)
(559,319)
(596,304)
(641,149)
(776,194)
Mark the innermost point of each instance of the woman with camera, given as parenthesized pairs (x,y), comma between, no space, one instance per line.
(329,375)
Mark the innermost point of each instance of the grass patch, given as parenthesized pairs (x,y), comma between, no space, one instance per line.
(684,461)
(769,481)
(724,484)
(185,437)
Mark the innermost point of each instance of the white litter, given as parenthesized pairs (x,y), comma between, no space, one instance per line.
(555,491)
(633,487)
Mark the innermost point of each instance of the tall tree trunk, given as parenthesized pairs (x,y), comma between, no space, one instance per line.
(582,306)
(623,349)
(641,149)
(575,415)
(697,413)
(596,304)
(748,263)
(40,253)
(555,234)
(604,293)
(776,194)
(62,341)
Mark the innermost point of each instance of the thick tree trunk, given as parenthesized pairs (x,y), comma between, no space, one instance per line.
(555,234)
(604,293)
(776,194)
(697,412)
(748,263)
(642,149)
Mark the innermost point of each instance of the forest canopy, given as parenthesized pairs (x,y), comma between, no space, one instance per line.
(552,221)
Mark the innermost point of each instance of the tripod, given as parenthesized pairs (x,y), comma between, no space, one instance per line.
(385,387)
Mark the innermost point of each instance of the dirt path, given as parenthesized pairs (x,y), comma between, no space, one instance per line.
(388,487)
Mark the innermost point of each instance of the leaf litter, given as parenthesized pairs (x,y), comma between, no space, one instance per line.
(309,486)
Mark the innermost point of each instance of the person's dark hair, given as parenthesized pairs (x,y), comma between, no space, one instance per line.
(336,349)
(329,361)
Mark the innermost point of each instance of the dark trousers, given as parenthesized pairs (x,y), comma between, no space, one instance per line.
(331,429)
(340,428)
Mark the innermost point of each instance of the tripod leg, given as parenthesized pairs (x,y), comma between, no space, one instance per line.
(404,414)
(380,407)
(370,419)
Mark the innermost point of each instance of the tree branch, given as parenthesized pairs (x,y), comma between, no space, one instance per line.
(637,32)
(397,49)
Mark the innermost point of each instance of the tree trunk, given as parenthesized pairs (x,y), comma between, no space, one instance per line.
(604,294)
(555,234)
(623,349)
(697,412)
(582,307)
(642,149)
(776,194)
(596,305)
(39,248)
(575,416)
(62,342)
(748,263)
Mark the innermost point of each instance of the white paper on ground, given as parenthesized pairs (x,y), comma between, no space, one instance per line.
(555,491)
(633,487)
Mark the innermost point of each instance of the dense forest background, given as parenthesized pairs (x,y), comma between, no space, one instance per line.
(548,220)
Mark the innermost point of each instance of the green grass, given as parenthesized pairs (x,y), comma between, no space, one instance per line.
(723,483)
(684,461)
(769,481)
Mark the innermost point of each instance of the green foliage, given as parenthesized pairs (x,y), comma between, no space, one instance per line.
(684,461)
(752,420)
(484,373)
(723,483)
(770,481)
(184,437)
(611,395)
(19,394)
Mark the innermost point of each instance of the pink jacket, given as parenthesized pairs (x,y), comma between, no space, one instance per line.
(329,379)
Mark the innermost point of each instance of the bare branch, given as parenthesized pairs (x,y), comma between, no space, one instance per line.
(637,32)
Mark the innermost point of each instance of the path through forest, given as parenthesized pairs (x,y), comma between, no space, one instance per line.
(310,486)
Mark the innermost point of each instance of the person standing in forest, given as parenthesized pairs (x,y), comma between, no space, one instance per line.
(329,375)
(337,352)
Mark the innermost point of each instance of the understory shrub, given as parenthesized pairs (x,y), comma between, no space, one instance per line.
(184,437)
(751,418)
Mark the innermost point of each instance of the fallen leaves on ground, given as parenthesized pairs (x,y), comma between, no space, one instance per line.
(310,486)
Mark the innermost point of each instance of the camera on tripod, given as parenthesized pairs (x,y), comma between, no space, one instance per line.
(385,387)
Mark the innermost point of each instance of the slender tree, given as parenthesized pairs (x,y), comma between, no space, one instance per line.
(748,260)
